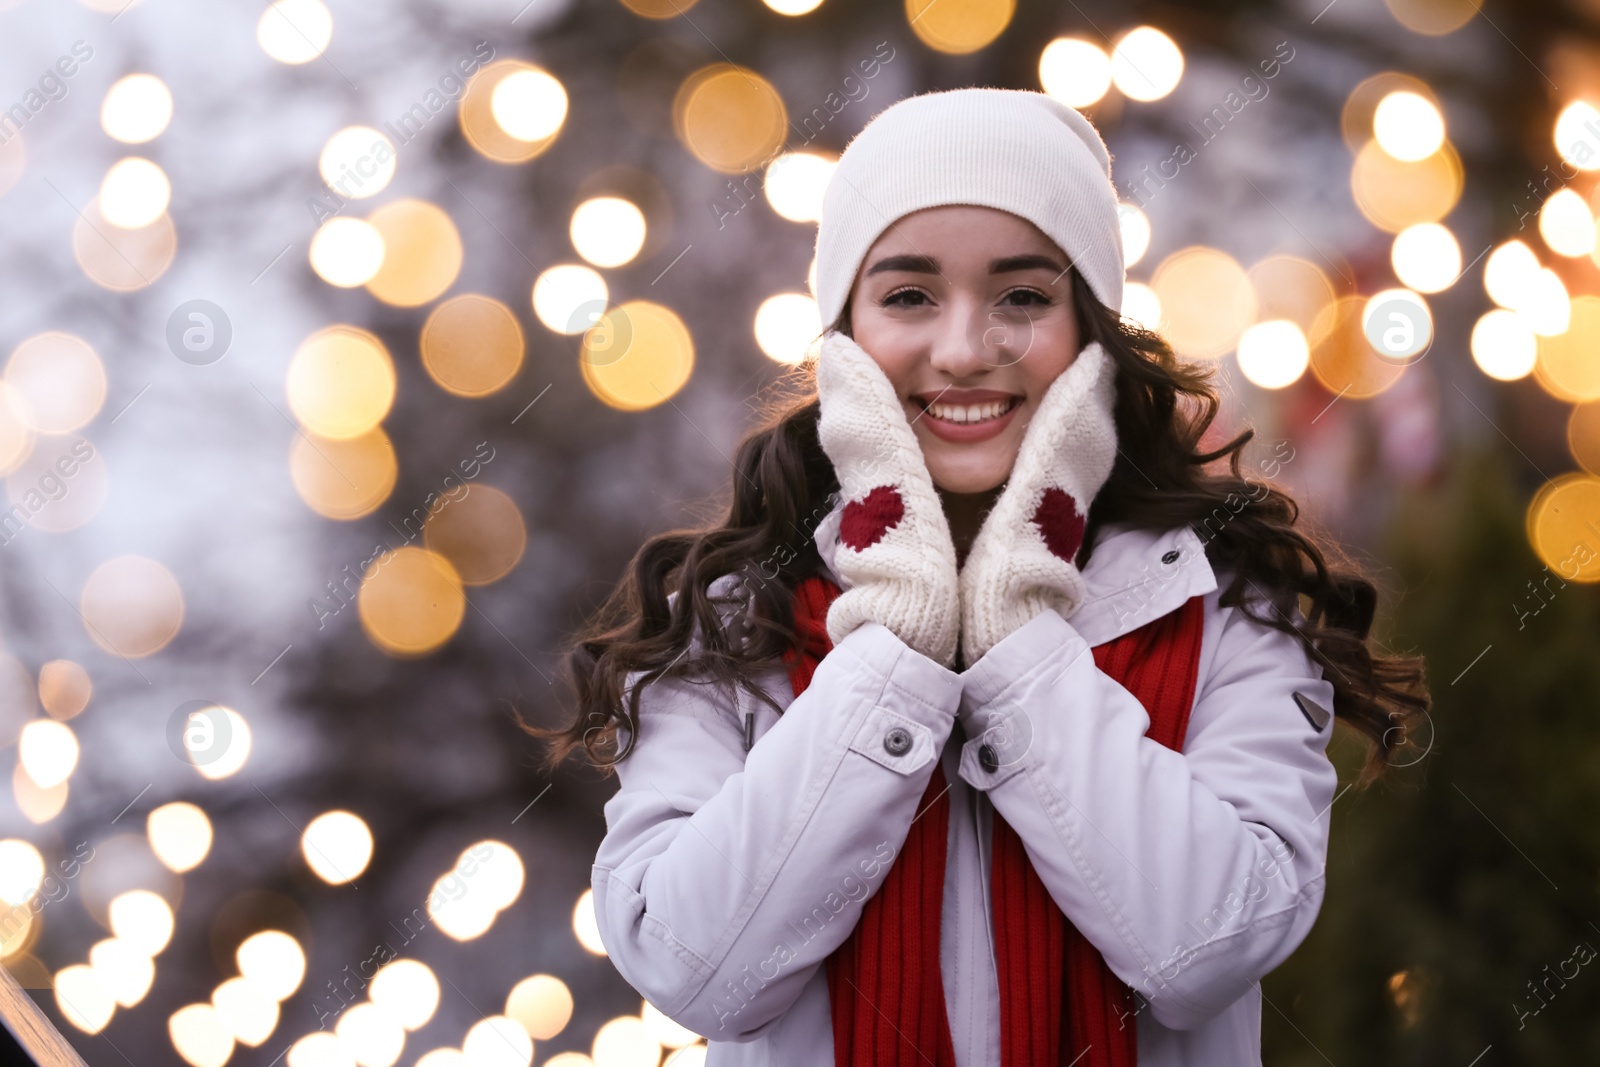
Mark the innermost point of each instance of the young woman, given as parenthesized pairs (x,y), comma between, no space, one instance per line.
(990,725)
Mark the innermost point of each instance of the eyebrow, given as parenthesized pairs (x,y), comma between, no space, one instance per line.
(919,264)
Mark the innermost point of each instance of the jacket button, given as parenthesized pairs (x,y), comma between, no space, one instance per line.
(987,758)
(1170,557)
(897,741)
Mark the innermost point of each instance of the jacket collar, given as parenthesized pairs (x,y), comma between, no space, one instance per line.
(1133,577)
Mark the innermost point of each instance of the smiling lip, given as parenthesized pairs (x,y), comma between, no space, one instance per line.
(967,432)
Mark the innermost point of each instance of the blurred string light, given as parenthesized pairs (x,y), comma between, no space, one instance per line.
(1566,367)
(795,182)
(422,253)
(1408,126)
(958,27)
(542,1004)
(244,1011)
(1292,288)
(341,382)
(492,122)
(294,31)
(337,846)
(569,298)
(200,1036)
(1135,227)
(81,999)
(143,919)
(1577,135)
(608,231)
(134,193)
(472,345)
(357,162)
(131,606)
(346,252)
(1514,279)
(1393,193)
(1583,435)
(1074,71)
(637,355)
(17,438)
(1342,357)
(486,879)
(785,326)
(1146,64)
(1433,18)
(369,1035)
(1426,257)
(343,480)
(482,536)
(21,871)
(200,734)
(625,1041)
(180,835)
(792,7)
(1206,301)
(1273,354)
(407,991)
(1561,516)
(584,926)
(272,962)
(57,382)
(411,601)
(496,1041)
(729,118)
(120,259)
(136,109)
(1141,305)
(1395,333)
(1566,224)
(122,970)
(320,1049)
(529,104)
(666,1032)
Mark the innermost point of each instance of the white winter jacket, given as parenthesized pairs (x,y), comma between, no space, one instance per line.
(727,877)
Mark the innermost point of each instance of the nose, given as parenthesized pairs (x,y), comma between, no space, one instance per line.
(963,345)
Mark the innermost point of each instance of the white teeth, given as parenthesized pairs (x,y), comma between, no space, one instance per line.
(969,412)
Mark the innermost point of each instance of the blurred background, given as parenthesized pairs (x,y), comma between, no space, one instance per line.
(350,351)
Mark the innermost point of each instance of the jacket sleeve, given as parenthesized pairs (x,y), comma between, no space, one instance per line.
(1193,873)
(726,878)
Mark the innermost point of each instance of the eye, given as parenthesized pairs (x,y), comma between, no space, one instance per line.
(1042,299)
(891,299)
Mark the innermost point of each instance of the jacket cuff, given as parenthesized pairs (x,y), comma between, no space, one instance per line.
(906,727)
(999,732)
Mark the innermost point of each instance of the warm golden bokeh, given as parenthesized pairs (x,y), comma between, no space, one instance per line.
(343,479)
(1342,359)
(542,1003)
(637,356)
(1292,288)
(411,601)
(959,27)
(480,127)
(1393,194)
(341,382)
(64,689)
(1433,17)
(1563,522)
(118,259)
(1568,366)
(1206,301)
(472,345)
(1355,117)
(480,531)
(729,118)
(1583,435)
(422,253)
(132,606)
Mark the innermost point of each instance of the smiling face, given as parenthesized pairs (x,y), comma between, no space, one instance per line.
(968,311)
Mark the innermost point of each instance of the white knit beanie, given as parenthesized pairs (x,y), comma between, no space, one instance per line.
(1012,149)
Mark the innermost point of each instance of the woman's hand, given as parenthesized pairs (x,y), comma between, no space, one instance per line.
(1021,561)
(895,550)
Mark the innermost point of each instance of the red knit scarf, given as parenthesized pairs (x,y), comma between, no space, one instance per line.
(884,982)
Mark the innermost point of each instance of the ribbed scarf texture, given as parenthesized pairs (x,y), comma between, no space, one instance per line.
(1059,1002)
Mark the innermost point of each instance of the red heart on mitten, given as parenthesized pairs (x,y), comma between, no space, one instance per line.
(865,521)
(1060,522)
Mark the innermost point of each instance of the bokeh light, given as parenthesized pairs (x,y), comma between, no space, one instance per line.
(136,109)
(1426,257)
(131,606)
(411,601)
(1141,305)
(1502,345)
(1567,366)
(569,298)
(1575,135)
(637,355)
(119,259)
(1135,226)
(729,118)
(1206,300)
(481,532)
(1566,224)
(795,182)
(134,193)
(1561,520)
(422,253)
(1273,354)
(294,31)
(786,324)
(958,27)
(536,102)
(343,479)
(180,835)
(1074,71)
(341,382)
(407,991)
(272,962)
(529,104)
(346,252)
(337,846)
(542,1003)
(56,382)
(1146,64)
(1408,126)
(357,162)
(1394,194)
(472,345)
(608,231)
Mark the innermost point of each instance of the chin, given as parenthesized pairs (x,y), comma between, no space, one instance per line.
(968,481)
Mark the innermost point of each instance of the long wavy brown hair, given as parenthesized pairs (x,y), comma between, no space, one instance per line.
(783,484)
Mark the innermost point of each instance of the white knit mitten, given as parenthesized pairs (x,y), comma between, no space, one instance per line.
(1021,561)
(895,550)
